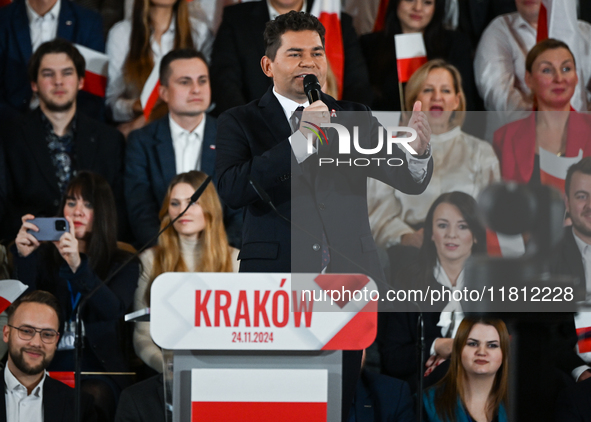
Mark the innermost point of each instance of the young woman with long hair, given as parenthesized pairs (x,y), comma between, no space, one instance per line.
(195,243)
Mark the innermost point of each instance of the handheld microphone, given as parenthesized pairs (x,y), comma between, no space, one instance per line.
(312,88)
(84,300)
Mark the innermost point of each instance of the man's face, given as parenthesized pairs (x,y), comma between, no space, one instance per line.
(188,92)
(528,9)
(301,53)
(578,204)
(30,357)
(57,82)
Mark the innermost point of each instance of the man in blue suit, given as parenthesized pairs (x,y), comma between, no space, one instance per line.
(24,25)
(181,141)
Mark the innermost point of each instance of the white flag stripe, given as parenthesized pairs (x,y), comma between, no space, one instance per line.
(511,246)
(259,385)
(409,46)
(326,6)
(557,166)
(150,84)
(96,62)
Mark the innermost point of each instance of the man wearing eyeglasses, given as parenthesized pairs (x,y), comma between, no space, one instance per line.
(32,337)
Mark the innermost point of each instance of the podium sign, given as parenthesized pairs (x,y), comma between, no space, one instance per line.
(260,311)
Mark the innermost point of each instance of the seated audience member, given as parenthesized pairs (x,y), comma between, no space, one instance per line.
(142,402)
(24,26)
(574,404)
(236,75)
(135,46)
(46,148)
(29,393)
(475,387)
(460,162)
(415,16)
(182,141)
(195,243)
(552,77)
(71,268)
(380,398)
(499,64)
(452,234)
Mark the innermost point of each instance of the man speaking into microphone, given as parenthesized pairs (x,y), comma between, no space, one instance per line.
(320,218)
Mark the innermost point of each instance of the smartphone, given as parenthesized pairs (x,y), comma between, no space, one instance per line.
(50,229)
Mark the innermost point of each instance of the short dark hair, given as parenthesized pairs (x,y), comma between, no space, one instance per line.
(179,54)
(59,45)
(541,47)
(291,21)
(36,296)
(583,166)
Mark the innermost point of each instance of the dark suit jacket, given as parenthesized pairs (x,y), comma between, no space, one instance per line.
(236,75)
(380,398)
(31,182)
(58,402)
(142,402)
(150,166)
(76,24)
(574,405)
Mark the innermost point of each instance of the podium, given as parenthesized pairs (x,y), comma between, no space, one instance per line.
(260,346)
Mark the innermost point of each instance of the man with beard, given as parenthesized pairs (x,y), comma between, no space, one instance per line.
(45,148)
(29,394)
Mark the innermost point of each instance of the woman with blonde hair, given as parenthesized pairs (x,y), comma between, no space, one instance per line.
(136,45)
(195,243)
(476,384)
(461,162)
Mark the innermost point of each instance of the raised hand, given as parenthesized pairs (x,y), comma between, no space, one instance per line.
(419,122)
(68,247)
(25,242)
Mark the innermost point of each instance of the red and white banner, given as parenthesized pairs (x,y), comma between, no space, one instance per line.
(498,244)
(328,13)
(261,395)
(95,77)
(410,54)
(583,326)
(150,91)
(266,311)
(553,169)
(10,290)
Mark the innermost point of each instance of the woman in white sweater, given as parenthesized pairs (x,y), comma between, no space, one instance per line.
(195,243)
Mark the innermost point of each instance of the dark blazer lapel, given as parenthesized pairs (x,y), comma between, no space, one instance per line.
(3,399)
(165,150)
(53,406)
(21,27)
(66,23)
(574,261)
(34,136)
(208,146)
(85,143)
(273,116)
(363,405)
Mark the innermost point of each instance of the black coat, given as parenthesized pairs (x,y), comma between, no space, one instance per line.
(142,402)
(31,185)
(236,74)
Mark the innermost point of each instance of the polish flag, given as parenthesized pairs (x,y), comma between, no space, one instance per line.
(583,327)
(10,290)
(95,77)
(410,54)
(328,13)
(508,246)
(150,92)
(558,19)
(553,169)
(67,377)
(261,395)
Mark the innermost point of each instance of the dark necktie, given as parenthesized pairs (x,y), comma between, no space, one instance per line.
(296,118)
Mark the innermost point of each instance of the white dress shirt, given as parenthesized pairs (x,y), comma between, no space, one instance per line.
(499,65)
(187,145)
(20,406)
(461,162)
(120,96)
(43,28)
(416,166)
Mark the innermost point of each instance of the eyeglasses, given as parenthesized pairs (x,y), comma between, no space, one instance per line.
(26,332)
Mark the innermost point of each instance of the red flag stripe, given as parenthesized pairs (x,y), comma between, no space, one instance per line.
(67,377)
(549,180)
(584,343)
(334,51)
(492,243)
(95,84)
(258,411)
(542,24)
(381,18)
(151,101)
(406,67)
(4,304)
